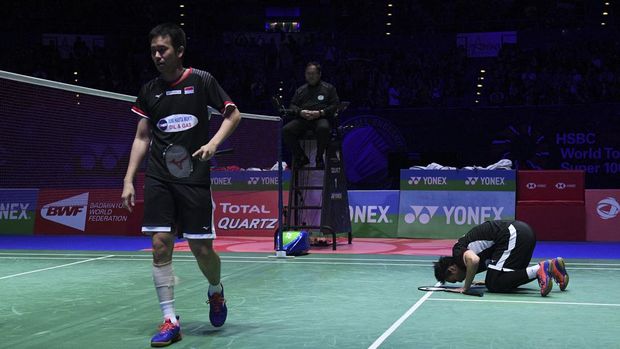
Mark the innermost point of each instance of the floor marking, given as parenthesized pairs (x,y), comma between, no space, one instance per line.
(523,302)
(56,267)
(400,321)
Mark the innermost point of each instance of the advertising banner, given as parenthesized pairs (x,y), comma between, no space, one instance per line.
(94,211)
(246,202)
(603,215)
(445,204)
(374,213)
(17,210)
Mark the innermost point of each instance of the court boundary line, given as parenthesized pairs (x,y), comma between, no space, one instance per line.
(189,255)
(257,259)
(401,320)
(524,302)
(55,267)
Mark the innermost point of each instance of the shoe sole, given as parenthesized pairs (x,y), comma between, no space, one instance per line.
(165,344)
(562,266)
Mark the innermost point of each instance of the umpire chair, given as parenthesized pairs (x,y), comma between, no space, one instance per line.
(318,199)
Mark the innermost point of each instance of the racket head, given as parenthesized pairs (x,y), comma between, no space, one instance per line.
(178,161)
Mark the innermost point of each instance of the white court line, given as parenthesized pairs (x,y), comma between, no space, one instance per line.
(223,257)
(570,264)
(263,261)
(56,267)
(302,260)
(400,321)
(523,302)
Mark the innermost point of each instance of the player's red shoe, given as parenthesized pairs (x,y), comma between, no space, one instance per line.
(558,272)
(544,277)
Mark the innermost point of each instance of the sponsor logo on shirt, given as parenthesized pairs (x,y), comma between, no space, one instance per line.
(188,90)
(177,123)
(320,97)
(173,92)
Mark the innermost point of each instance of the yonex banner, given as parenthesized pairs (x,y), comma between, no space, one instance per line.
(247,180)
(17,210)
(446,204)
(374,213)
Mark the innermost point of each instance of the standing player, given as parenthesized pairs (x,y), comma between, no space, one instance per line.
(174,130)
(504,249)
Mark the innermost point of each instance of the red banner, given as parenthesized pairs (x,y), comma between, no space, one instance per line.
(550,185)
(246,213)
(95,211)
(603,214)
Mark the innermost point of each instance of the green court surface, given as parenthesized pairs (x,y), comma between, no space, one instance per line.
(51,299)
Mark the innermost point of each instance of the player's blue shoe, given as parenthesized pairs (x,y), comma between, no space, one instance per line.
(559,273)
(168,334)
(544,277)
(218,310)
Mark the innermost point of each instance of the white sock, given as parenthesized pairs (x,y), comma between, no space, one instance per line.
(531,271)
(215,289)
(163,278)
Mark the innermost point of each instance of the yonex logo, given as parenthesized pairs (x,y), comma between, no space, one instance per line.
(560,185)
(608,208)
(414,180)
(422,214)
(14,211)
(531,185)
(253,180)
(471,180)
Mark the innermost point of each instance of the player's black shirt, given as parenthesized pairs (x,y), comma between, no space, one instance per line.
(321,96)
(482,240)
(178,115)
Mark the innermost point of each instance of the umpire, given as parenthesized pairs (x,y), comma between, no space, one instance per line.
(314,106)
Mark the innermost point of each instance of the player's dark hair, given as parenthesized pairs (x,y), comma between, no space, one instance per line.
(176,34)
(441,268)
(314,63)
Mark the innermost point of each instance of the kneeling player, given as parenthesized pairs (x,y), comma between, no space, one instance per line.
(504,249)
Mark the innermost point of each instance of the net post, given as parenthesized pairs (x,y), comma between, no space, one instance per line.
(280,252)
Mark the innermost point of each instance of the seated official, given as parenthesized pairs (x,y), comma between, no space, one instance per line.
(314,106)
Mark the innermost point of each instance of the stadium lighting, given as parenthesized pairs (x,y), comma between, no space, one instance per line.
(390,5)
(388,23)
(182,24)
(602,23)
(483,71)
(605,13)
(389,14)
(181,6)
(182,14)
(388,33)
(479,85)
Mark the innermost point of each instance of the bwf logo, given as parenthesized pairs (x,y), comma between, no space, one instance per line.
(471,181)
(414,180)
(70,211)
(422,214)
(253,180)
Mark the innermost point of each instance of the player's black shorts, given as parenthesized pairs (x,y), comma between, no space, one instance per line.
(515,251)
(178,208)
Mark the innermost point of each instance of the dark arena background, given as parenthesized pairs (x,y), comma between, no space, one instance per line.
(452,113)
